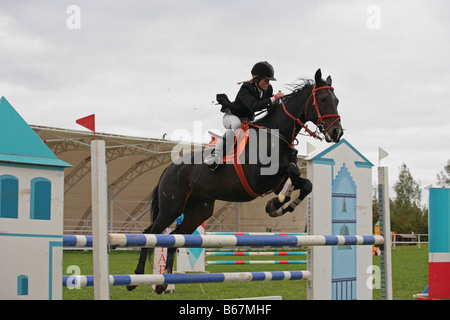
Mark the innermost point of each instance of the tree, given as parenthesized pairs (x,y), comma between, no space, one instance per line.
(407,190)
(407,213)
(444,176)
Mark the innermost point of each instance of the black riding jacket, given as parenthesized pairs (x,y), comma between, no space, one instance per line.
(248,101)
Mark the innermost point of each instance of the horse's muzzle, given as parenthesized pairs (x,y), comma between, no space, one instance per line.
(334,134)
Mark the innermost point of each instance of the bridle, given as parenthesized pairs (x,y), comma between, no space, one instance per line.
(320,119)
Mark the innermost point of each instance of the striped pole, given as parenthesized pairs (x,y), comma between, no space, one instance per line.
(218,241)
(261,253)
(77,241)
(256,234)
(258,262)
(158,279)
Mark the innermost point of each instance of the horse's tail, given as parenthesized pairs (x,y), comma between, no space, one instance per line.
(155,201)
(155,204)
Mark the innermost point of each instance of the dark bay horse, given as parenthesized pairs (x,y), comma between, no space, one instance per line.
(191,189)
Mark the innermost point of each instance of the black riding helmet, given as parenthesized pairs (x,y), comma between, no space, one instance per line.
(264,70)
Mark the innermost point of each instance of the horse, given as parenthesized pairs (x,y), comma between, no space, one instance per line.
(191,189)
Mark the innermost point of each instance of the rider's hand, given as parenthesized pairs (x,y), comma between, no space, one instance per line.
(279,95)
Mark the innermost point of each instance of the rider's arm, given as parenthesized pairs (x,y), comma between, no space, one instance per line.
(247,96)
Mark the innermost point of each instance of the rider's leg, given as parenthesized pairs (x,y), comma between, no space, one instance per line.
(231,123)
(223,147)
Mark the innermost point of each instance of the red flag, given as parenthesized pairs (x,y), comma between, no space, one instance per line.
(88,122)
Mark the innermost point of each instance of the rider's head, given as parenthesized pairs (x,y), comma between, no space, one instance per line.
(262,73)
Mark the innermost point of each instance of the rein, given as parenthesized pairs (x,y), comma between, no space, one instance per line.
(272,132)
(319,122)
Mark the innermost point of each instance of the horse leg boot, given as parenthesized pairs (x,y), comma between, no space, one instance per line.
(215,158)
(274,204)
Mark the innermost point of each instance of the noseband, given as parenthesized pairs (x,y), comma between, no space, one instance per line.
(320,117)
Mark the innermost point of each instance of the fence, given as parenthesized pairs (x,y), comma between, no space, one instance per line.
(406,239)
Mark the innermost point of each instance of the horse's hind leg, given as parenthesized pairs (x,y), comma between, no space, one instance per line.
(170,204)
(140,269)
(156,228)
(196,212)
(169,265)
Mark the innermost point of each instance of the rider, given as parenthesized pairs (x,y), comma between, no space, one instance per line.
(253,96)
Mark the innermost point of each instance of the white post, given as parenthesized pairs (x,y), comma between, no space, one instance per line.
(100,220)
(385,231)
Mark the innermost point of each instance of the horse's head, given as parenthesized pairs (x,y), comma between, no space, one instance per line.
(323,110)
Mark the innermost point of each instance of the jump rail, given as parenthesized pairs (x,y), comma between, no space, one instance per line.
(157,279)
(249,253)
(226,262)
(221,241)
(258,233)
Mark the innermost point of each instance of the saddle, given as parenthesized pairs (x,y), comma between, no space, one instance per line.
(240,141)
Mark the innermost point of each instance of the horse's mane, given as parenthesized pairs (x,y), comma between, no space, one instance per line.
(297,88)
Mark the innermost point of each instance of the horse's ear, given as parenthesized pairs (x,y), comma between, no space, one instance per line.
(318,77)
(329,81)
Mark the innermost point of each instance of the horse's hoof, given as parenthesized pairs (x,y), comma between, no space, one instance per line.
(276,213)
(273,205)
(131,288)
(160,288)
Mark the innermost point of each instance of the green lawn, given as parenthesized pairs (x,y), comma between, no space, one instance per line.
(409,271)
(410,276)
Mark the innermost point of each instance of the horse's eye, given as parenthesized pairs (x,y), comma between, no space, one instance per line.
(323,99)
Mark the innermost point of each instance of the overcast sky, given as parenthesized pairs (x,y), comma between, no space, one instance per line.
(146,68)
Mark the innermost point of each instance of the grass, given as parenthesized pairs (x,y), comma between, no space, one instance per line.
(409,271)
(410,276)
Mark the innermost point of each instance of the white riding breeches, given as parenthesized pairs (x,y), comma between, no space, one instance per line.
(230,121)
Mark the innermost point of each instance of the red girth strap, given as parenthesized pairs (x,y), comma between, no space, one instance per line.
(240,172)
(244,182)
(238,167)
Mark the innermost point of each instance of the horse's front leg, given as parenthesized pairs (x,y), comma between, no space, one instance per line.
(305,187)
(275,207)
